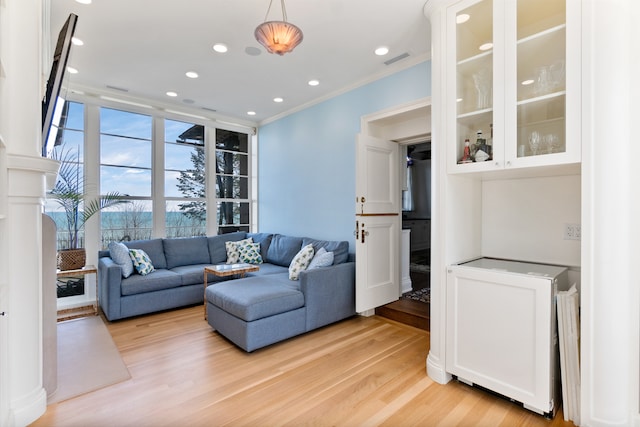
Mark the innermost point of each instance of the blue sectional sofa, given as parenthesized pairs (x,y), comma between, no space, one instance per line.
(260,309)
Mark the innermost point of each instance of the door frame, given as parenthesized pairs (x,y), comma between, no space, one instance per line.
(404,124)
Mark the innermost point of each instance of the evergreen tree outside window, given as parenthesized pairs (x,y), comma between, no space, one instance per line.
(185,179)
(232,181)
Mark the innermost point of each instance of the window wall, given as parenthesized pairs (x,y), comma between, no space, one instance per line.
(171,170)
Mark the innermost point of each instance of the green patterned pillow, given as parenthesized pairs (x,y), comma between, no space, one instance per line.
(141,261)
(300,261)
(250,253)
(233,252)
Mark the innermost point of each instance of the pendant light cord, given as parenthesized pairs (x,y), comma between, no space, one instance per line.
(284,11)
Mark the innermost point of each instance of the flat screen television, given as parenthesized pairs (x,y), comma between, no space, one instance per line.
(51,103)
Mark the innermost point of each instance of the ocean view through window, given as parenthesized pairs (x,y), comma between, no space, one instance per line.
(159,163)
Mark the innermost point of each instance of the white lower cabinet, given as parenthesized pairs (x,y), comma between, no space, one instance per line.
(501,329)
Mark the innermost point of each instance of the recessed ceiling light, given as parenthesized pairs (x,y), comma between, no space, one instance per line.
(172,94)
(486,46)
(84,1)
(191,74)
(381,51)
(251,113)
(220,47)
(76,41)
(314,82)
(462,18)
(459,100)
(527,82)
(72,70)
(278,99)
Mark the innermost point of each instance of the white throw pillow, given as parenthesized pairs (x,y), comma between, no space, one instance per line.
(119,253)
(300,261)
(322,258)
(233,251)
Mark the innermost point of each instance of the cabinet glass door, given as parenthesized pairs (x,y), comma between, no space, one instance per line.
(474,81)
(540,80)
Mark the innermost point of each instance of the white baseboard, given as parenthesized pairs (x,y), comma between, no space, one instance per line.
(436,372)
(406,285)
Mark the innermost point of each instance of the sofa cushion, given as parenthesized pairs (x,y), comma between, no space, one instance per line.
(254,298)
(141,261)
(264,239)
(300,262)
(269,269)
(217,249)
(186,251)
(340,249)
(158,280)
(194,274)
(322,258)
(282,249)
(119,253)
(153,248)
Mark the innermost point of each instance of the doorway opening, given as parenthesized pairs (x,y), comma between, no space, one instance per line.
(409,126)
(413,307)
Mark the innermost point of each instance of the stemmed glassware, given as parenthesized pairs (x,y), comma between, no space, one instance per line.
(534,142)
(551,143)
(482,81)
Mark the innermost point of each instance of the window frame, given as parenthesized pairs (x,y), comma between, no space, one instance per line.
(93,104)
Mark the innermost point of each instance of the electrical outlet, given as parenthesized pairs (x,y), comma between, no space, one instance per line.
(572,231)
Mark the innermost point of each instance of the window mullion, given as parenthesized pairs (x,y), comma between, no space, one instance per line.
(210,186)
(157,178)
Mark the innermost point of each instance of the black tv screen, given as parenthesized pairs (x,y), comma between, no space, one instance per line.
(54,84)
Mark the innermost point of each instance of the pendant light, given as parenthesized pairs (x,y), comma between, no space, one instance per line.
(278,36)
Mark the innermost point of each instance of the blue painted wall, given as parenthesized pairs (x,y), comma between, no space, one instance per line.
(306,161)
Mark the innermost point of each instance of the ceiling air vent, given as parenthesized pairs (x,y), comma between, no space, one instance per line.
(121,89)
(396,59)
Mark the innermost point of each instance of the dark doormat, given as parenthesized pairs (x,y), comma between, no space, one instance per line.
(422,295)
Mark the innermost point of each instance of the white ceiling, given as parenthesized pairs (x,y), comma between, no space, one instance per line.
(147,46)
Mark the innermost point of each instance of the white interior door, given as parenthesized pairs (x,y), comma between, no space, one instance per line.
(377,222)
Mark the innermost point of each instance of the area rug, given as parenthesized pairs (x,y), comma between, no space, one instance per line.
(422,295)
(87,358)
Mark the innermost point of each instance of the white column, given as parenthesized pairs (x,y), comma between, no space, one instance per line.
(439,251)
(22,396)
(610,188)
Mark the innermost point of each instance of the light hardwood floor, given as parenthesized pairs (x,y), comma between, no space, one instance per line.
(359,372)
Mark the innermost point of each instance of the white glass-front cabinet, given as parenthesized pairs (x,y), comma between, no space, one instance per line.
(509,103)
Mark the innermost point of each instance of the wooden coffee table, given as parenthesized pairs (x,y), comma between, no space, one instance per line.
(224,270)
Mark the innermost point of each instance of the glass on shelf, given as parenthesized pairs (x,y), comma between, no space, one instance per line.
(545,118)
(541,65)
